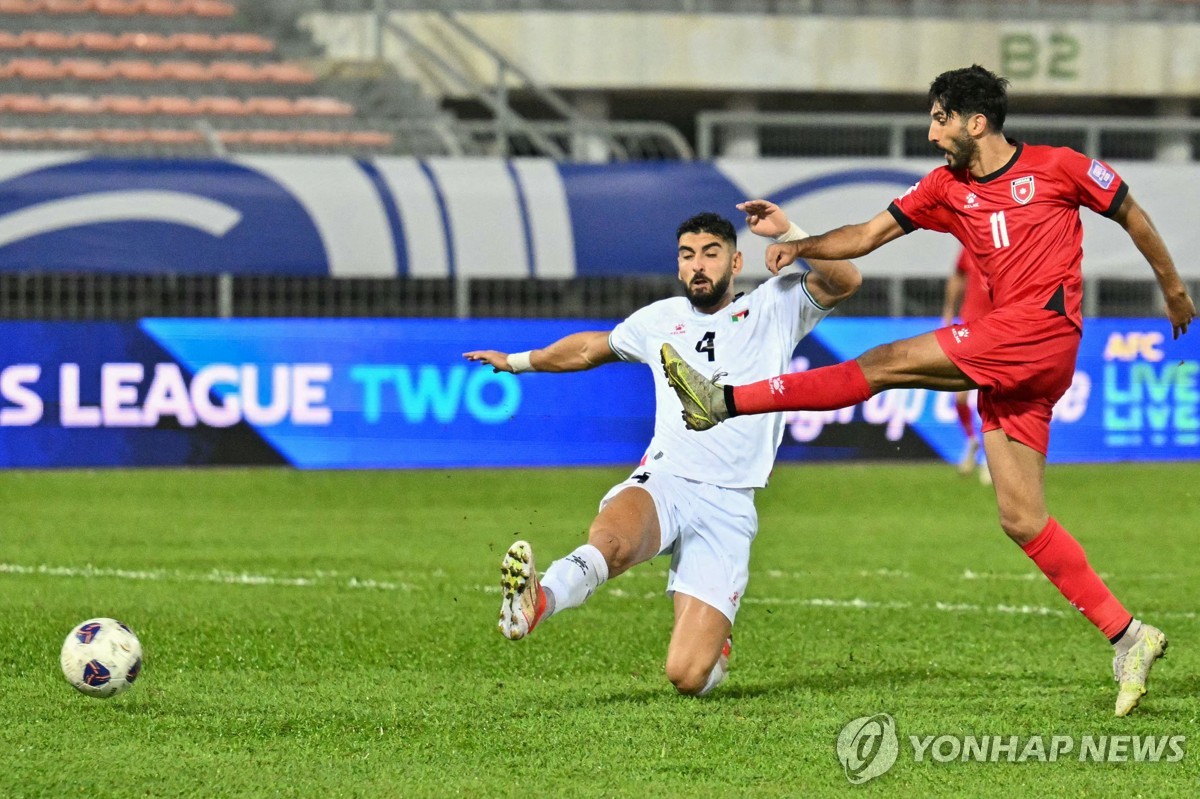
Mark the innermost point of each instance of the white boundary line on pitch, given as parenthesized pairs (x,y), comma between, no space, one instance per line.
(215,576)
(870,604)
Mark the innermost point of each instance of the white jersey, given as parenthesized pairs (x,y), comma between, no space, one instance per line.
(751,339)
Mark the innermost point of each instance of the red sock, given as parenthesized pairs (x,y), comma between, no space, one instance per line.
(1060,558)
(825,389)
(966,418)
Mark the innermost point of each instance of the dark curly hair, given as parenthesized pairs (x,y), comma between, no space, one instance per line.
(708,222)
(972,90)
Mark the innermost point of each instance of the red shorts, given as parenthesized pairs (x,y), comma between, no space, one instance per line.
(1023,358)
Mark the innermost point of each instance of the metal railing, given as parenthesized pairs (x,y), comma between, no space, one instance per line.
(81,297)
(783,134)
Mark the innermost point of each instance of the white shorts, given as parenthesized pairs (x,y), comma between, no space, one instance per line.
(707,529)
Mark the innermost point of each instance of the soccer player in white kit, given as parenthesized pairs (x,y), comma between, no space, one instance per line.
(691,496)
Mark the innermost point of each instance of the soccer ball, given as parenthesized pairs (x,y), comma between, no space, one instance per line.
(101,657)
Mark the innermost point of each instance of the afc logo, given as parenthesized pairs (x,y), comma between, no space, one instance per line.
(1101,174)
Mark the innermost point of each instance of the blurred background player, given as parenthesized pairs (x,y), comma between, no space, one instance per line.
(1016,207)
(691,496)
(967,299)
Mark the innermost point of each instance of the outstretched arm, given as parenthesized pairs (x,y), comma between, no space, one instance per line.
(849,241)
(573,353)
(831,281)
(1180,308)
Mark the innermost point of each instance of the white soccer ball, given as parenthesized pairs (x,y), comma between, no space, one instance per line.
(101,657)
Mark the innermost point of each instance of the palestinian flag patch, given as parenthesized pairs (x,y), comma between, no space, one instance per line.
(740,315)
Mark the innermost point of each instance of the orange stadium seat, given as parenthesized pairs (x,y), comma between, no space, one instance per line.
(211,8)
(285,72)
(85,69)
(18,7)
(10,40)
(222,106)
(190,71)
(176,105)
(246,43)
(47,40)
(271,106)
(66,6)
(76,103)
(369,138)
(33,69)
(195,43)
(323,106)
(236,72)
(126,104)
(117,8)
(24,104)
(169,136)
(164,8)
(146,42)
(135,69)
(98,41)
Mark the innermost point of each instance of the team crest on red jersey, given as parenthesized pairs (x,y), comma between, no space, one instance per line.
(1022,189)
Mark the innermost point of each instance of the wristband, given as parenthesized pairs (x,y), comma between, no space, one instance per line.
(793,233)
(519,362)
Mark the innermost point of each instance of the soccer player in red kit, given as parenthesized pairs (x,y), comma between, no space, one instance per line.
(967,299)
(1015,207)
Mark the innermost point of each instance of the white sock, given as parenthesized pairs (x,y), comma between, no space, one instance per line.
(1126,641)
(715,677)
(575,578)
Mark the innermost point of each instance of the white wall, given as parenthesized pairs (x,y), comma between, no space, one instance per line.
(732,52)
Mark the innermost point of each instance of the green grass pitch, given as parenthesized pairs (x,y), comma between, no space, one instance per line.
(334,635)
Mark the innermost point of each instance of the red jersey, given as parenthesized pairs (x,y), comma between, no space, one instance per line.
(1021,222)
(976,299)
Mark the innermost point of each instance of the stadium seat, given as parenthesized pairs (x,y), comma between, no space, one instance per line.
(32,69)
(125,104)
(271,106)
(369,138)
(145,42)
(24,104)
(176,105)
(222,106)
(235,72)
(47,40)
(189,71)
(164,8)
(65,6)
(98,41)
(89,69)
(285,72)
(76,104)
(135,70)
(211,8)
(116,8)
(195,43)
(322,106)
(246,43)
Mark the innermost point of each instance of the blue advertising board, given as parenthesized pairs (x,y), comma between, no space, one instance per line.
(398,394)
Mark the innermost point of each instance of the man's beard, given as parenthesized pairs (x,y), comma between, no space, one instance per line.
(709,294)
(965,148)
